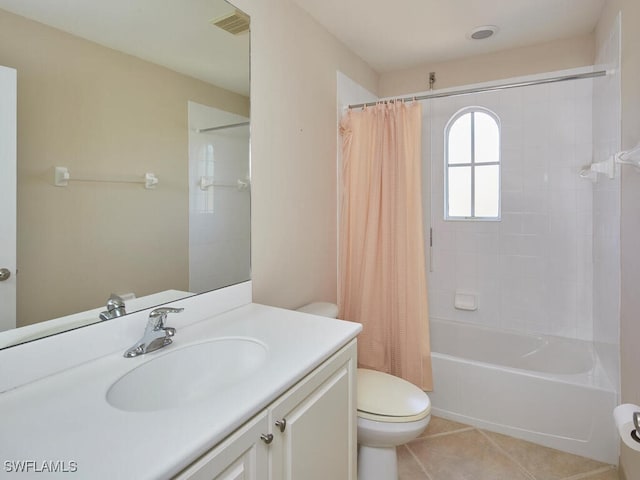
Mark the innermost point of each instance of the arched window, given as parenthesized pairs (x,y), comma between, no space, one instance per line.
(472,165)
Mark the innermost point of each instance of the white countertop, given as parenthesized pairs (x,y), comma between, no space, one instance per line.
(65,417)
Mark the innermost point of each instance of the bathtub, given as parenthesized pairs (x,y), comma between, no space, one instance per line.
(548,390)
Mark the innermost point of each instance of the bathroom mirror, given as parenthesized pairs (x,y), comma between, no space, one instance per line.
(109,92)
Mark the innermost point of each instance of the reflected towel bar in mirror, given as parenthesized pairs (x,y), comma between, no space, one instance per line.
(62,177)
(207,182)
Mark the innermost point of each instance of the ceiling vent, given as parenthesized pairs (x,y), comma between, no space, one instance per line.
(235,22)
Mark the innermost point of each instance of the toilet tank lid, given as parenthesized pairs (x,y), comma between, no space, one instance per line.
(324,309)
(386,395)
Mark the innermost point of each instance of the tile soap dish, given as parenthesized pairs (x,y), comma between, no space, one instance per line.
(466,301)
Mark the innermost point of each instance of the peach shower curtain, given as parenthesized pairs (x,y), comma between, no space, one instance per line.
(382,281)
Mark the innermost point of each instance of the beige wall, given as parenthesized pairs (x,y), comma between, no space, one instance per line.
(546,57)
(293,151)
(630,212)
(98,111)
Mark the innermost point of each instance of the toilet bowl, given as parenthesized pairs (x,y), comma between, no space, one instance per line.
(391,412)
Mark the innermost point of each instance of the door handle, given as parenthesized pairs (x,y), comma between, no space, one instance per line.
(5,273)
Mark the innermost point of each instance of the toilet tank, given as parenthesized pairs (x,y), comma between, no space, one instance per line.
(323,309)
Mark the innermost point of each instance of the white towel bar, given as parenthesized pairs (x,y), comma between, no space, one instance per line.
(62,177)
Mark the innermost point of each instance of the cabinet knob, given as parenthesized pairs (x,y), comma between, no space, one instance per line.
(5,273)
(267,438)
(281,424)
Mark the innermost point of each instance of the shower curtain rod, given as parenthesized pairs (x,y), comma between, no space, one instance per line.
(222,127)
(468,91)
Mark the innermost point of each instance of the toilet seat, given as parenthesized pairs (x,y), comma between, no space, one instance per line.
(385,398)
(324,309)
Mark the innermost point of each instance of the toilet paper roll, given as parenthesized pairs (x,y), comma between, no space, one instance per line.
(623,416)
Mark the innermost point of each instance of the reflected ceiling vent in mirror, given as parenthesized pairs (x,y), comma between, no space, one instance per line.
(236,22)
(480,33)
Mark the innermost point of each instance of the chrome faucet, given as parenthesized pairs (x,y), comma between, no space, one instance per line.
(115,308)
(156,335)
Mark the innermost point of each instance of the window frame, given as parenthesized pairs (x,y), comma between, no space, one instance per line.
(454,118)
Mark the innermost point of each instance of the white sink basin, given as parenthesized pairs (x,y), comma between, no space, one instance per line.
(187,375)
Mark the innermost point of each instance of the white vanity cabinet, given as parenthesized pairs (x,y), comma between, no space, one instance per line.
(308,433)
(242,456)
(220,417)
(314,424)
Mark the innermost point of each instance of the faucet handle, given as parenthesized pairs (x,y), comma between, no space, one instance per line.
(157,316)
(163,311)
(114,301)
(115,308)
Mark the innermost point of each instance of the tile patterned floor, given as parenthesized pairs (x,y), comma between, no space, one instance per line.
(452,451)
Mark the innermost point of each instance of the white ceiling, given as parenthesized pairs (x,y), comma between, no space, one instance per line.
(175,34)
(388,34)
(397,34)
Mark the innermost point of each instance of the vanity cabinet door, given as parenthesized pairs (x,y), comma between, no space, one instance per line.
(314,424)
(242,456)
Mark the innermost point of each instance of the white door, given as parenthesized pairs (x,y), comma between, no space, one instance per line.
(8,177)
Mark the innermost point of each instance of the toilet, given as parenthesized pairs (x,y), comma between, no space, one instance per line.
(391,412)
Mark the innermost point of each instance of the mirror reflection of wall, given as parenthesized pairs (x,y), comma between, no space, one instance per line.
(101,112)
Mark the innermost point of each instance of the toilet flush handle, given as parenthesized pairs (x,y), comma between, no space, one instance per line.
(281,424)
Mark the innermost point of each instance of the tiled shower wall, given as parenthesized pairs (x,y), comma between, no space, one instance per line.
(532,271)
(219,217)
(606,207)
